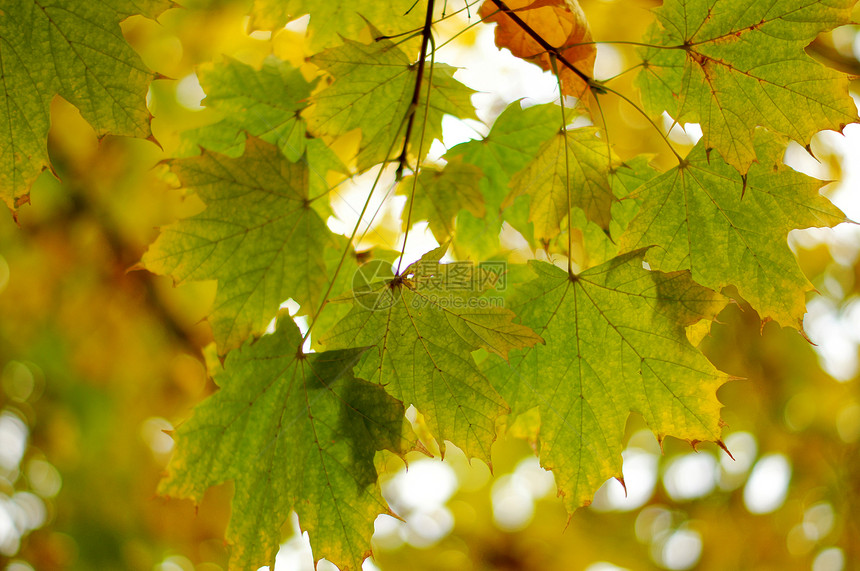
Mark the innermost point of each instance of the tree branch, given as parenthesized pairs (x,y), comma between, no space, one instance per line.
(416,93)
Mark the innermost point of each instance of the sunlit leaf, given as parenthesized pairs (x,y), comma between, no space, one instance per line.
(736,64)
(570,170)
(615,343)
(258,236)
(513,140)
(440,195)
(330,22)
(264,103)
(421,328)
(371,90)
(726,229)
(293,432)
(74,49)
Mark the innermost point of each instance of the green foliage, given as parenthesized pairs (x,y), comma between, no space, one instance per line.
(74,49)
(728,229)
(614,343)
(569,170)
(737,65)
(258,236)
(441,195)
(371,90)
(511,144)
(264,103)
(333,21)
(421,339)
(309,429)
(630,259)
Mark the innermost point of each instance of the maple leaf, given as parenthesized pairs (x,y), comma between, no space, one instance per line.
(570,170)
(264,103)
(593,245)
(258,236)
(420,335)
(371,90)
(74,49)
(513,141)
(330,22)
(560,23)
(614,343)
(440,194)
(737,64)
(726,229)
(294,432)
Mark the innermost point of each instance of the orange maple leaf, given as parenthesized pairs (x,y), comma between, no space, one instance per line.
(560,23)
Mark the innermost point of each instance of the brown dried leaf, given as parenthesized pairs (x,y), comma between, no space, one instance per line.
(561,23)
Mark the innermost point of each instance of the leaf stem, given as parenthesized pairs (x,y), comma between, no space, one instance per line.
(426,34)
(460,33)
(623,42)
(350,241)
(349,244)
(420,149)
(620,73)
(605,131)
(552,60)
(647,118)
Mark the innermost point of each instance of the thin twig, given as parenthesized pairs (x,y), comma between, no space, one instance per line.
(649,119)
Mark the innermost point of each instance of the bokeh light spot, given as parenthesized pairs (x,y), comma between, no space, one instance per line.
(768,484)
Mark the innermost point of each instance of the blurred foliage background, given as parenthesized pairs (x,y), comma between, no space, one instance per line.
(98,363)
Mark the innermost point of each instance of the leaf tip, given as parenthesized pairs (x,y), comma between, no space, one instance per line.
(623,484)
(722,445)
(151,138)
(804,335)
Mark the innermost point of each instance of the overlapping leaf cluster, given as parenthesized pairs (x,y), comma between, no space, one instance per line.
(641,255)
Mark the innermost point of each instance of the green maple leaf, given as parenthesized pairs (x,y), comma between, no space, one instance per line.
(513,141)
(74,49)
(331,22)
(420,333)
(548,178)
(259,236)
(293,432)
(704,217)
(615,343)
(264,103)
(741,63)
(593,245)
(372,89)
(440,194)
